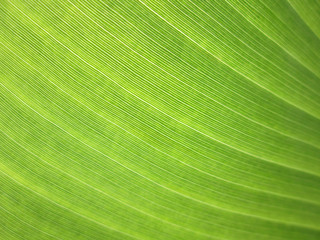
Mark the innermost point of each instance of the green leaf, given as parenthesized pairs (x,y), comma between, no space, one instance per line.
(193,119)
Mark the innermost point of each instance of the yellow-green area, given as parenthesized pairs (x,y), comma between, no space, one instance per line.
(160,119)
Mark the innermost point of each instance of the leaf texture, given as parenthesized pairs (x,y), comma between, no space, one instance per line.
(193,119)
